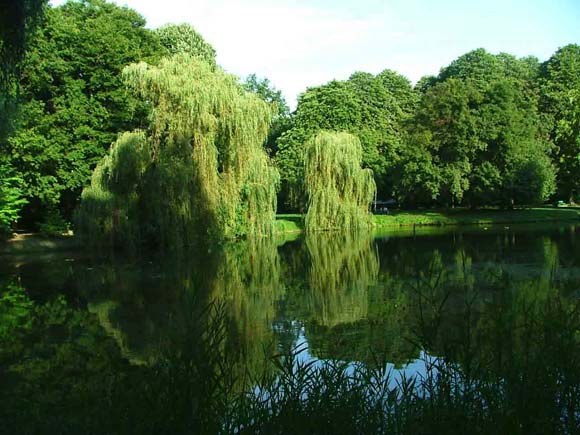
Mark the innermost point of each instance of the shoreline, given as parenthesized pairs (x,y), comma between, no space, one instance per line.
(32,243)
(405,219)
(291,225)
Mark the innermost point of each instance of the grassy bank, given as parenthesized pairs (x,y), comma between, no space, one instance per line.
(289,223)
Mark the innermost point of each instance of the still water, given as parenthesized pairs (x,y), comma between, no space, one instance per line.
(470,295)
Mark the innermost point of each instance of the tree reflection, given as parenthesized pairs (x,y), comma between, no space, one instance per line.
(170,342)
(342,268)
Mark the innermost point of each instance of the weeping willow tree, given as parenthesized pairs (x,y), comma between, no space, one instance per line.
(200,171)
(109,211)
(339,190)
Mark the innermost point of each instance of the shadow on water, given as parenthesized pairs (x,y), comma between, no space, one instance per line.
(470,332)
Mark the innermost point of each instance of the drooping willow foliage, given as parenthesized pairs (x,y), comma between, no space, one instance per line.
(199,172)
(109,211)
(339,190)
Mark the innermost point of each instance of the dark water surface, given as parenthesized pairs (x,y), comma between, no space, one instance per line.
(475,296)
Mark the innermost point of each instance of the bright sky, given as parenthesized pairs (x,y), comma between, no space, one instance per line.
(299,43)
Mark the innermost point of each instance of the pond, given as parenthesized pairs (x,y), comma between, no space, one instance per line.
(498,302)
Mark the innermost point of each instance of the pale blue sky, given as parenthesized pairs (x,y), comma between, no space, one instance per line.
(297,44)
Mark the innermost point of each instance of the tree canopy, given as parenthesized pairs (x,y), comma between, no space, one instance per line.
(264,89)
(560,100)
(339,191)
(200,172)
(488,130)
(477,136)
(373,108)
(183,38)
(73,100)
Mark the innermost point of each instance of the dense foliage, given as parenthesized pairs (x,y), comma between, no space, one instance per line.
(183,38)
(339,191)
(73,102)
(201,171)
(371,107)
(17,23)
(267,92)
(477,137)
(488,130)
(11,200)
(560,99)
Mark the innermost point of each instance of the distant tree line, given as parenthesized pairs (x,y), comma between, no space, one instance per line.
(488,130)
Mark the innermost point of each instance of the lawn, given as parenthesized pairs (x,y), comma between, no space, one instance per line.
(288,223)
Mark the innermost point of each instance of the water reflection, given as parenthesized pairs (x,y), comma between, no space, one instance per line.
(342,268)
(502,306)
(151,306)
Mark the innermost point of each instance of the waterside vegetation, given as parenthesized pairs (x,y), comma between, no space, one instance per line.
(490,130)
(200,171)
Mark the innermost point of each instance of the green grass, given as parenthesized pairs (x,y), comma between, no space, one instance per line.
(288,223)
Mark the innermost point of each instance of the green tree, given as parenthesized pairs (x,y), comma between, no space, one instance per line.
(560,100)
(183,38)
(11,200)
(202,171)
(267,92)
(445,126)
(339,191)
(477,136)
(73,101)
(18,21)
(372,108)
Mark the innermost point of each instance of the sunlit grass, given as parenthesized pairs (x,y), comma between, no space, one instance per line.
(403,218)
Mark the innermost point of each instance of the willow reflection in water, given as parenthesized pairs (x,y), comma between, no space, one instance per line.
(499,311)
(155,308)
(342,267)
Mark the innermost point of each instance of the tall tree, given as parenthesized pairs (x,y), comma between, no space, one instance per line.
(478,135)
(18,21)
(339,190)
(267,92)
(560,100)
(183,38)
(371,107)
(201,172)
(73,100)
